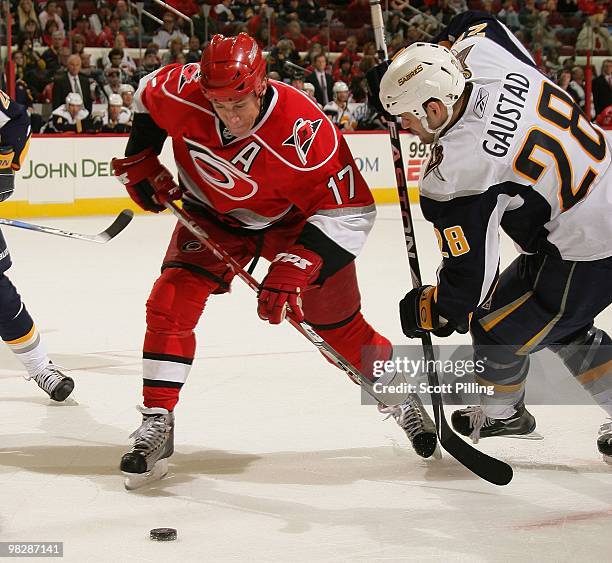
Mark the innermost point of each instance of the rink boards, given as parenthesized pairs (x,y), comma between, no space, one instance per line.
(69,175)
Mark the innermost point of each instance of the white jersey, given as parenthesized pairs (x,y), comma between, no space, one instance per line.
(522,156)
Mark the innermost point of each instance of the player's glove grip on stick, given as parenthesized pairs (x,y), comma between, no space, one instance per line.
(419,314)
(289,275)
(148,182)
(7,174)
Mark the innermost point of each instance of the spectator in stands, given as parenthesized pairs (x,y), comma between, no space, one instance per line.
(351,49)
(257,26)
(394,26)
(71,116)
(194,53)
(32,30)
(48,32)
(576,89)
(78,44)
(593,36)
(128,22)
(25,12)
(169,31)
(315,50)
(310,12)
(345,71)
(357,14)
(567,6)
(338,109)
(101,17)
(113,81)
(51,12)
(324,38)
(310,92)
(322,81)
(72,81)
(119,58)
(293,32)
(148,64)
(187,7)
(528,16)
(118,118)
(602,87)
(126,91)
(283,51)
(174,49)
(83,28)
(223,11)
(509,16)
(202,24)
(110,32)
(51,56)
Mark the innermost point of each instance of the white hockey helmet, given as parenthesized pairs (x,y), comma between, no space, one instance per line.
(339,87)
(115,100)
(417,74)
(74,99)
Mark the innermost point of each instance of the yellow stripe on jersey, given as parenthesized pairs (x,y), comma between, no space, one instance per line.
(24,338)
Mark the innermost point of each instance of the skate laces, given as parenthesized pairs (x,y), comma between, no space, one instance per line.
(408,415)
(478,421)
(49,378)
(151,434)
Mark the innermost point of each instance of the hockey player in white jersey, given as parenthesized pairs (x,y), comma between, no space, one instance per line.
(17,328)
(510,150)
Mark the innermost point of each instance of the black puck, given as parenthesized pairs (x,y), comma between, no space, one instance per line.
(163,534)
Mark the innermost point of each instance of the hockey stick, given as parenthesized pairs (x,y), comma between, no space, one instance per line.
(486,467)
(121,222)
(328,351)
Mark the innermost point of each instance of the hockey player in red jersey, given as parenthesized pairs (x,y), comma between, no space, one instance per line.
(266,174)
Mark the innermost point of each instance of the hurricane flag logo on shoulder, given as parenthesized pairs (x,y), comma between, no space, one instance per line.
(189,73)
(304,132)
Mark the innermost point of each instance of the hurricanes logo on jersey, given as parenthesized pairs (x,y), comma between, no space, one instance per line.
(189,73)
(304,132)
(221,175)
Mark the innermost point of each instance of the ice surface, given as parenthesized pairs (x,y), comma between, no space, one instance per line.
(276,460)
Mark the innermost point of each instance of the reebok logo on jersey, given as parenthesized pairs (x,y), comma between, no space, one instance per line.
(411,74)
(481,102)
(304,132)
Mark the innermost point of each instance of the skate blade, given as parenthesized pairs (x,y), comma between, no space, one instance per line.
(437,452)
(135,481)
(530,436)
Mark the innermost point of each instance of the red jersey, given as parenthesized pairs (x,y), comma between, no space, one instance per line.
(293,158)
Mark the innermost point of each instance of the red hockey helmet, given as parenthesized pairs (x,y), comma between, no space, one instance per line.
(231,68)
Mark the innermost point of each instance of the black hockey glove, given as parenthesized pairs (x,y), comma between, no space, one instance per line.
(7,174)
(419,314)
(373,78)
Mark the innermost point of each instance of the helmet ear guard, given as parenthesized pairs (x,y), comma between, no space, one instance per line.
(419,73)
(231,68)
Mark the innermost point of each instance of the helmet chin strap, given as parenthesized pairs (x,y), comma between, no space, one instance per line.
(436,131)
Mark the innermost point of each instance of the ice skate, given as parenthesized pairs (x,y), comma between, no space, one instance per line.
(153,444)
(604,441)
(413,419)
(473,422)
(54,383)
